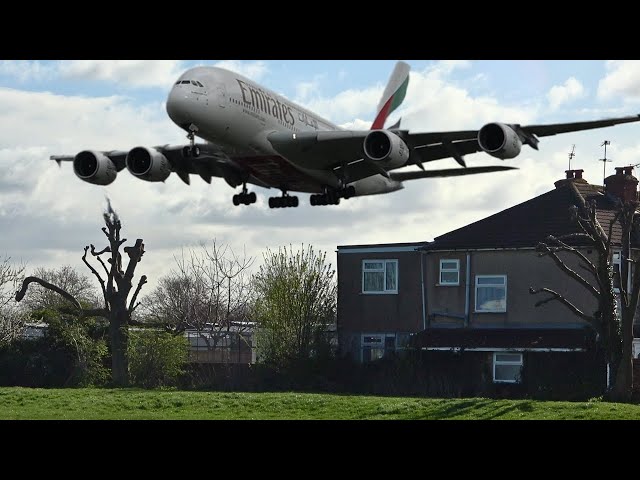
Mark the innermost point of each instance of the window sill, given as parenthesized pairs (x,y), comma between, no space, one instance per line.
(512,382)
(489,311)
(447,284)
(378,293)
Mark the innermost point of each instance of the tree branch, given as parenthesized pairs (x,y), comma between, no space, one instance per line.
(569,271)
(564,246)
(27,281)
(563,300)
(143,280)
(104,250)
(93,270)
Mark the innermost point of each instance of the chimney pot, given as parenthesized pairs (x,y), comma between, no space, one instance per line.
(623,184)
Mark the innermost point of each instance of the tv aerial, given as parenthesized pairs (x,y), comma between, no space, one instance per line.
(605,160)
(571,155)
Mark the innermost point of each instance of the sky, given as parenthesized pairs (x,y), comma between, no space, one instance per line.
(47,214)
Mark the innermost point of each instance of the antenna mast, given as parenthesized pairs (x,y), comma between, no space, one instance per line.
(604,160)
(571,155)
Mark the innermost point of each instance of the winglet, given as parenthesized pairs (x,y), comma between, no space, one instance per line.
(393,95)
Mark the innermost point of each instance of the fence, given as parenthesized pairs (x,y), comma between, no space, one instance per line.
(220,347)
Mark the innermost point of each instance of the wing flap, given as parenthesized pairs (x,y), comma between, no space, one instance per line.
(450,172)
(554,129)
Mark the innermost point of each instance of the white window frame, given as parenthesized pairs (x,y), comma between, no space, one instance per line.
(449,270)
(618,262)
(384,290)
(496,285)
(495,362)
(381,345)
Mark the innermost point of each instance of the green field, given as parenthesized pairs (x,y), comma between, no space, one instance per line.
(25,403)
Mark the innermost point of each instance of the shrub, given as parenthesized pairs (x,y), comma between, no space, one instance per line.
(156,359)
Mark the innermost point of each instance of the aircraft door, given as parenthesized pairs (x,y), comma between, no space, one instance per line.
(221,95)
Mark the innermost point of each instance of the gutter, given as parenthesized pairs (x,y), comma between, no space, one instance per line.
(467,293)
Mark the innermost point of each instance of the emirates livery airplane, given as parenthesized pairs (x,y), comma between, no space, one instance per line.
(255,136)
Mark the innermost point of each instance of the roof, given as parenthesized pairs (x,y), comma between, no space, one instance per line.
(527,224)
(504,338)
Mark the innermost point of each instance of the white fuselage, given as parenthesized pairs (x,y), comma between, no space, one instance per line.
(237,114)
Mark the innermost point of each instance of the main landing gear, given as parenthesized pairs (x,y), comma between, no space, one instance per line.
(244,198)
(285,201)
(192,150)
(332,197)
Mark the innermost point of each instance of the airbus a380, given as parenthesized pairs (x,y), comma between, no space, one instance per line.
(255,136)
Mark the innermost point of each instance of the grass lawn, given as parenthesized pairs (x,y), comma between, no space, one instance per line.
(25,403)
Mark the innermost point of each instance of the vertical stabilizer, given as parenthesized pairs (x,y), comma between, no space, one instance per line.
(393,95)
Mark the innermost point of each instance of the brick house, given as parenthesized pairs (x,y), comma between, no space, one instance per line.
(468,290)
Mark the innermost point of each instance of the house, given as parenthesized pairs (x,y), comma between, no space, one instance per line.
(467,292)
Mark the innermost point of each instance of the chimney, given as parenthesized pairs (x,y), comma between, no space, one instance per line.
(572,176)
(622,185)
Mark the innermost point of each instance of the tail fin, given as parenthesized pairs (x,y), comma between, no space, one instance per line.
(393,95)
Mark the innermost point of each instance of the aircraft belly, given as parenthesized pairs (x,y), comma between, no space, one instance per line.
(277,172)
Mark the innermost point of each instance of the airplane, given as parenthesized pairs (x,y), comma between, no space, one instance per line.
(255,136)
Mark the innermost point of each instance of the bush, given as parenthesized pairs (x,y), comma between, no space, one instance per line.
(156,359)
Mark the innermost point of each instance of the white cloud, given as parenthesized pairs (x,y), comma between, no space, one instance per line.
(136,73)
(47,214)
(253,70)
(26,70)
(622,80)
(570,90)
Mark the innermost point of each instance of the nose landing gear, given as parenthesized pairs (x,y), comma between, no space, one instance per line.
(192,150)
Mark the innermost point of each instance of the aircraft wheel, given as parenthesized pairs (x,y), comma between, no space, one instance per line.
(195,151)
(253,198)
(236,200)
(186,152)
(295,202)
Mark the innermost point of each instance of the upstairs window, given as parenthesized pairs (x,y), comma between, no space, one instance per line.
(449,272)
(380,276)
(491,293)
(616,261)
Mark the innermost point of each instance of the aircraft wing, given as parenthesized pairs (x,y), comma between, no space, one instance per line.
(211,162)
(343,149)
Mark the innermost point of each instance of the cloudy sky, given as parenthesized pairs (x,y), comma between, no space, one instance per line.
(47,214)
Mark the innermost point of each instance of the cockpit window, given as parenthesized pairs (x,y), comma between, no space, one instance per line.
(193,82)
(199,84)
(185,82)
(178,82)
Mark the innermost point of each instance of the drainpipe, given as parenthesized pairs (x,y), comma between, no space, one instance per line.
(424,299)
(467,292)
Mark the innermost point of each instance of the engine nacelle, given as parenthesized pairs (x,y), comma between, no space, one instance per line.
(387,148)
(148,164)
(94,167)
(500,141)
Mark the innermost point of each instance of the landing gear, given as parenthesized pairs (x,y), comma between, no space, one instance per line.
(192,150)
(245,198)
(285,201)
(332,197)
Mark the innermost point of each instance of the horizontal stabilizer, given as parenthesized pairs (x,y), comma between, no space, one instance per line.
(450,172)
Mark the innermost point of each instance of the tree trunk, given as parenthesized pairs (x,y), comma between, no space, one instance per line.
(623,387)
(119,336)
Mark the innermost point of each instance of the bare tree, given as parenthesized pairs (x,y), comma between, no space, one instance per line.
(117,308)
(615,331)
(11,319)
(208,291)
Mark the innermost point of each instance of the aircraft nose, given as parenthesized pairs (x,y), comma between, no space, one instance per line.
(178,106)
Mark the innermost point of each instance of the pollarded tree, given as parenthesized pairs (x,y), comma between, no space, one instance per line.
(11,320)
(615,331)
(115,289)
(295,303)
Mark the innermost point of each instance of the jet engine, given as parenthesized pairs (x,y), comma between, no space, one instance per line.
(94,167)
(148,164)
(500,141)
(387,148)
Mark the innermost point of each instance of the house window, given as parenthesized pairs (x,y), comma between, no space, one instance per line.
(507,367)
(374,346)
(491,293)
(379,276)
(449,272)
